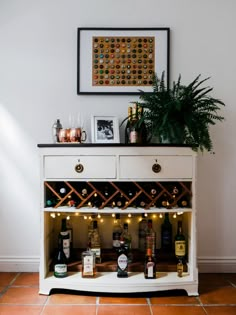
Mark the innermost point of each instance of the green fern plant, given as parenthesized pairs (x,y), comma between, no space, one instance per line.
(181,114)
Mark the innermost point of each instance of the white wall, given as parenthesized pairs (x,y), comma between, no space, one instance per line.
(38,85)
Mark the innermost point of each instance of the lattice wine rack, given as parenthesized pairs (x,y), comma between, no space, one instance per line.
(118,194)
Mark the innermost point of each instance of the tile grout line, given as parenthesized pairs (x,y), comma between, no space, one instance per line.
(150,305)
(9,285)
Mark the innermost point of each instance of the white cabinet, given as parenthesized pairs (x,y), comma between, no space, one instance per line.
(96,164)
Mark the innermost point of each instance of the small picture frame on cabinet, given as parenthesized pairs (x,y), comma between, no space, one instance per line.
(105,129)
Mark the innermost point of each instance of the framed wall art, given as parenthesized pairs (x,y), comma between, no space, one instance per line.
(121,60)
(105,129)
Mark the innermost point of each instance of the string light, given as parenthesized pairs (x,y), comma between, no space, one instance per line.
(53,215)
(99,216)
(160,215)
(174,215)
(68,217)
(85,217)
(129,215)
(113,215)
(58,214)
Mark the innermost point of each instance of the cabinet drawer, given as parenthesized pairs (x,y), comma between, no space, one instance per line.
(140,167)
(92,167)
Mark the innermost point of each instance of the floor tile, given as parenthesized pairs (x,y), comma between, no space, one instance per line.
(7,277)
(70,299)
(20,310)
(69,310)
(220,295)
(220,310)
(190,300)
(121,300)
(212,279)
(1,289)
(27,278)
(123,310)
(231,277)
(177,310)
(17,295)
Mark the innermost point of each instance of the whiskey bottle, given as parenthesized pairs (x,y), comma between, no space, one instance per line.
(60,266)
(88,264)
(142,231)
(180,268)
(180,243)
(127,127)
(65,239)
(166,233)
(95,242)
(151,238)
(122,261)
(117,231)
(150,265)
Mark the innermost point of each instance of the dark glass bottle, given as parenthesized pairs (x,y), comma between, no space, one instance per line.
(150,265)
(65,238)
(134,134)
(180,243)
(127,127)
(166,234)
(60,266)
(142,129)
(122,261)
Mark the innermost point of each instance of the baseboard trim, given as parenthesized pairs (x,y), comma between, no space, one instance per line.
(217,264)
(31,264)
(19,264)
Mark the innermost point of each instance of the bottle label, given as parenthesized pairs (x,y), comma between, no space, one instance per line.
(60,270)
(88,265)
(180,247)
(66,247)
(150,269)
(122,261)
(133,136)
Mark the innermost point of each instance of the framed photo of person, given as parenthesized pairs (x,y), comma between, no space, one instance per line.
(105,129)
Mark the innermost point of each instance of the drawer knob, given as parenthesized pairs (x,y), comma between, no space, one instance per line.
(156,168)
(79,168)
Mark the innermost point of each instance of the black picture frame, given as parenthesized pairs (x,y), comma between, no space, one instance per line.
(85,58)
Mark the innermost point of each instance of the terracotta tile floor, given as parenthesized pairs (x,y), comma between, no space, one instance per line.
(19,295)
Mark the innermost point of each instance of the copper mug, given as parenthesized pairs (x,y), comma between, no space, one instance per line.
(77,135)
(63,135)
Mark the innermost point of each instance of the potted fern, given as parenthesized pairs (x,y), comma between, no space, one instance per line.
(181,114)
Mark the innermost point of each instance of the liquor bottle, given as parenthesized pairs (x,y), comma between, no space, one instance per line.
(151,238)
(56,127)
(95,242)
(60,266)
(134,135)
(96,201)
(122,261)
(84,192)
(70,231)
(180,243)
(65,238)
(88,264)
(153,192)
(127,127)
(166,233)
(180,268)
(149,265)
(117,231)
(142,231)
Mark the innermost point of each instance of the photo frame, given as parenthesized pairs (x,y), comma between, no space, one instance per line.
(121,60)
(105,129)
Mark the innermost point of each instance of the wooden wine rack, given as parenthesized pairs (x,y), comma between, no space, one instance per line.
(167,194)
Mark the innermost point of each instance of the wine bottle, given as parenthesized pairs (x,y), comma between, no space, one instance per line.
(65,238)
(127,127)
(151,238)
(120,201)
(95,242)
(166,233)
(142,129)
(122,261)
(117,231)
(180,243)
(60,266)
(150,265)
(142,230)
(134,126)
